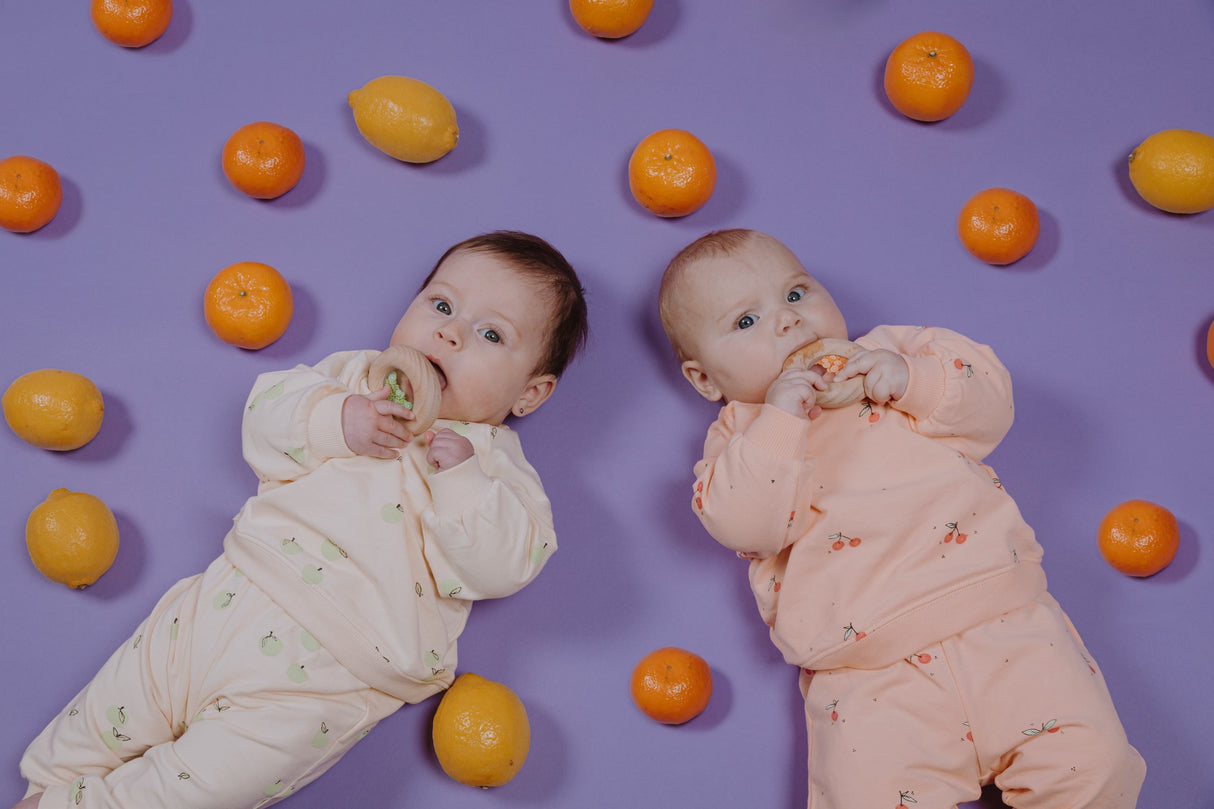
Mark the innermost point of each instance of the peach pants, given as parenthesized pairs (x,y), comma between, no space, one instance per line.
(1017,702)
(219,700)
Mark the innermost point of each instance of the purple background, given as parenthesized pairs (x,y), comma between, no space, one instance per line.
(1102,326)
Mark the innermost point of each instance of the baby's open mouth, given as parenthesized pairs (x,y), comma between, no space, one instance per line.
(442,378)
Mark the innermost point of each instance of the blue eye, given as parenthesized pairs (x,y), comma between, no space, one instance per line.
(442,306)
(795,295)
(491,335)
(746,321)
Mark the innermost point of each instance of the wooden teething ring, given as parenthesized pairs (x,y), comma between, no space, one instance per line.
(822,352)
(416,377)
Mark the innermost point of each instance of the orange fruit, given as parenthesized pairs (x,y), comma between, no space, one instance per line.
(999,225)
(132,23)
(1138,537)
(248,304)
(671,685)
(72,538)
(1210,344)
(610,19)
(928,76)
(53,409)
(30,193)
(1174,170)
(480,732)
(671,173)
(263,160)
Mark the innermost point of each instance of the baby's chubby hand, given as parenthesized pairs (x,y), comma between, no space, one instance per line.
(886,374)
(447,449)
(795,391)
(372,424)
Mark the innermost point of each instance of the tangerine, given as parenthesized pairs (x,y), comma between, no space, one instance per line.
(928,76)
(671,685)
(671,173)
(248,304)
(72,538)
(480,732)
(998,225)
(1210,344)
(132,23)
(1138,537)
(610,19)
(263,159)
(1174,170)
(30,193)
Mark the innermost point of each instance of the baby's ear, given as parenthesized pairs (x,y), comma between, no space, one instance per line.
(699,379)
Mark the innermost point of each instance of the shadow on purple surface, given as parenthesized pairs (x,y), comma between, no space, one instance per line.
(116,427)
(178,31)
(304,321)
(1046,247)
(1200,338)
(124,574)
(71,210)
(471,151)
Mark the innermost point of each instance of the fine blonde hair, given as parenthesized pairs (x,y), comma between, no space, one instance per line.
(718,243)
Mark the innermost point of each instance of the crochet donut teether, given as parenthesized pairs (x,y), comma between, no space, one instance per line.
(413,379)
(831,353)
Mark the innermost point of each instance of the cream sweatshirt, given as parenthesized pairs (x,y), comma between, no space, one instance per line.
(381,559)
(873,530)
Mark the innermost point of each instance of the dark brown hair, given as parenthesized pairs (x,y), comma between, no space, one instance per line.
(542,263)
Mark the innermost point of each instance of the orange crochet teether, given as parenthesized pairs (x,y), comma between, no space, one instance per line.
(414,383)
(831,353)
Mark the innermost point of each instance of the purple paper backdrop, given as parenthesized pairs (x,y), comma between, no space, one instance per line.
(1103,327)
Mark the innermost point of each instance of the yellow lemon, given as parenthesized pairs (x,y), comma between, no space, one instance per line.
(481,734)
(54,409)
(72,538)
(1174,170)
(405,118)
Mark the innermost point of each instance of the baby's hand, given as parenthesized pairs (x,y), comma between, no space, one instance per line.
(372,425)
(795,391)
(447,449)
(886,374)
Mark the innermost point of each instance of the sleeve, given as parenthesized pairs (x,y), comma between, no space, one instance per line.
(959,392)
(489,531)
(752,476)
(292,420)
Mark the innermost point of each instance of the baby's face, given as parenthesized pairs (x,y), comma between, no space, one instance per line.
(745,313)
(484,327)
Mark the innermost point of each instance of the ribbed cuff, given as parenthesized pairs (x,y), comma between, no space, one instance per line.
(778,432)
(325,437)
(924,389)
(456,488)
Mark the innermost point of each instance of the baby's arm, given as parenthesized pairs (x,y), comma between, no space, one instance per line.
(489,532)
(885,373)
(295,420)
(372,424)
(751,477)
(957,390)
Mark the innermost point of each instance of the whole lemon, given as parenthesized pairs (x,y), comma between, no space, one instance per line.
(54,409)
(481,733)
(72,538)
(405,118)
(1174,170)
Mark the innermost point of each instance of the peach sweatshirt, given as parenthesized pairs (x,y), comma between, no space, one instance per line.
(381,559)
(874,531)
